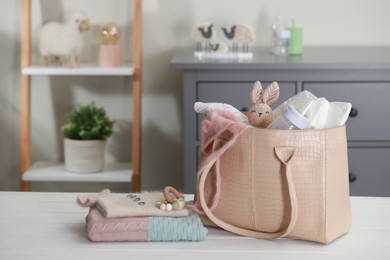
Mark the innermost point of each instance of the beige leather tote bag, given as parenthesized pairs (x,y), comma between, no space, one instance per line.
(275,183)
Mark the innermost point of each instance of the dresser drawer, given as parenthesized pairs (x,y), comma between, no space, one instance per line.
(237,94)
(369,171)
(369,100)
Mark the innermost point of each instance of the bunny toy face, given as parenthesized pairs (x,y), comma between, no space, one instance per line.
(260,114)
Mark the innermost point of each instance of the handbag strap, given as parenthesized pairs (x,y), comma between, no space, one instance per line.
(284,154)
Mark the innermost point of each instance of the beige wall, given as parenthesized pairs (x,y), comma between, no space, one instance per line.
(167,24)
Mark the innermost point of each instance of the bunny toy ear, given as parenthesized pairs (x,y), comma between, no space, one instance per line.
(271,93)
(257,92)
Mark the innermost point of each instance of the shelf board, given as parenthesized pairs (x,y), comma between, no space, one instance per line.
(85,69)
(55,172)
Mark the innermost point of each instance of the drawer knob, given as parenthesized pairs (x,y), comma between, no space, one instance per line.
(354,112)
(352,177)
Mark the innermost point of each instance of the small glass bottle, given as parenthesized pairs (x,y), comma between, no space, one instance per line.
(281,39)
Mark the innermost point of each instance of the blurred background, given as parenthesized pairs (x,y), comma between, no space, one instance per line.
(167,24)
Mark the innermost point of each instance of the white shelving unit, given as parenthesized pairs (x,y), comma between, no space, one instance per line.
(84,70)
(55,171)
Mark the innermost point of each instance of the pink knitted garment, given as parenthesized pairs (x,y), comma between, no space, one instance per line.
(218,125)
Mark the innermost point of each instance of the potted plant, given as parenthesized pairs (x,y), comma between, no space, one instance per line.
(85,135)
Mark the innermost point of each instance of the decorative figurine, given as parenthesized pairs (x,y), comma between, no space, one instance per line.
(260,113)
(203,33)
(219,47)
(110,52)
(64,39)
(240,33)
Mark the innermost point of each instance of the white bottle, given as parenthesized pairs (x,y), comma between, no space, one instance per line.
(290,119)
(303,102)
(281,39)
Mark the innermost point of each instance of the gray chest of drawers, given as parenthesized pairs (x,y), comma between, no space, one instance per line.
(360,75)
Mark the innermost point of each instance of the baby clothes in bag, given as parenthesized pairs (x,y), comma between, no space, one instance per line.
(321,113)
(327,114)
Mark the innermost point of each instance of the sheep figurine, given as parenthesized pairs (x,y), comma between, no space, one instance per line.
(203,33)
(240,33)
(64,39)
(219,47)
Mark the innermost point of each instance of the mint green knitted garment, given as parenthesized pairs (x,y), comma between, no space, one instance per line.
(188,228)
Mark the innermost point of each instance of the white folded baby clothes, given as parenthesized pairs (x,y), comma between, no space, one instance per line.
(128,205)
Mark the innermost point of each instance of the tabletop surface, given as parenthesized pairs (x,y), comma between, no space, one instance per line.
(311,58)
(52,226)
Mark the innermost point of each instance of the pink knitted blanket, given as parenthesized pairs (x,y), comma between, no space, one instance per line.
(101,229)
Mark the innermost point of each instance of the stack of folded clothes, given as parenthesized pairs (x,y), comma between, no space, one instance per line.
(140,217)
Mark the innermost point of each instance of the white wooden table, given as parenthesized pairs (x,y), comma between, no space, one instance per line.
(52,226)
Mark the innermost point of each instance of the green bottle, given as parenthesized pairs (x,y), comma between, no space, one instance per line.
(296,39)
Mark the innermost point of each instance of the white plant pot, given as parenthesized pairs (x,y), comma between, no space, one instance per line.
(84,156)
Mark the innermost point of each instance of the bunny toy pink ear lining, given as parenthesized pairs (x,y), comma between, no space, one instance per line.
(257,93)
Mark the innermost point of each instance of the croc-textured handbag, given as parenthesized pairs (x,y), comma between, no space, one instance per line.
(267,184)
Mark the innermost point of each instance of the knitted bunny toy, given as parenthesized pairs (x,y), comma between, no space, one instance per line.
(260,114)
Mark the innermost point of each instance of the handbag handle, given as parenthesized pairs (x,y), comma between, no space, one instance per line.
(284,154)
